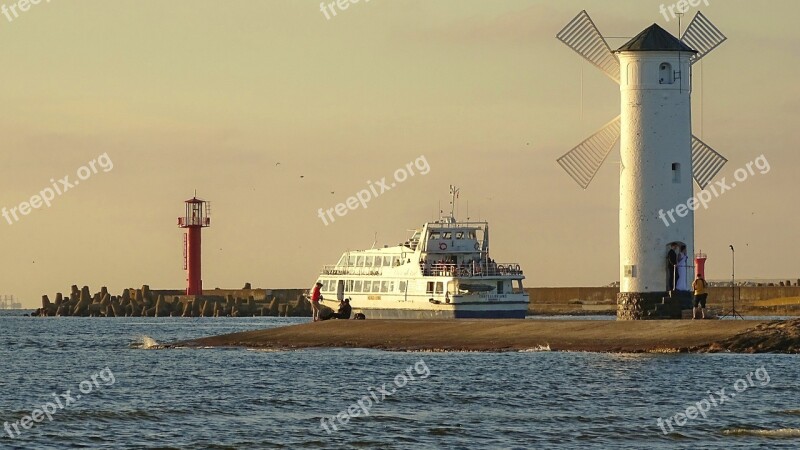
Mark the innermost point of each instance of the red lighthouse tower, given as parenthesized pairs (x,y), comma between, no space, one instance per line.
(195,219)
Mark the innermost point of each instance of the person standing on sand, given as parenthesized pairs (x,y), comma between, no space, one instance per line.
(700,296)
(315,296)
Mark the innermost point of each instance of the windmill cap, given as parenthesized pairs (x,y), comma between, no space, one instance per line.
(655,39)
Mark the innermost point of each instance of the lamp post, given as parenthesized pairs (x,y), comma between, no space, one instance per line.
(733,313)
(733,277)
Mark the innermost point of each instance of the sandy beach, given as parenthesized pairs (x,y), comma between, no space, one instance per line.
(491,335)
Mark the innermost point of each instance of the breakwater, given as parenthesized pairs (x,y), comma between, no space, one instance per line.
(144,302)
(750,300)
(780,300)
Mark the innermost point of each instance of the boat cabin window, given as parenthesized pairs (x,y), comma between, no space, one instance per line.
(472,235)
(378,261)
(349,286)
(439,287)
(429,290)
(376,286)
(402,286)
(367,286)
(384,286)
(446,235)
(359,261)
(460,235)
(357,286)
(342,261)
(387,261)
(368,261)
(434,236)
(516,287)
(351,260)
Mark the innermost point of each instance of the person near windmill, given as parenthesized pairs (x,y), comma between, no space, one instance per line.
(672,267)
(700,296)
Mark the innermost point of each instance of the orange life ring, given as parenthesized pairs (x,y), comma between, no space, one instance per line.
(442,246)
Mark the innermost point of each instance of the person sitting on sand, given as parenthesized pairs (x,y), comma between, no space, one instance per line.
(315,296)
(700,296)
(344,310)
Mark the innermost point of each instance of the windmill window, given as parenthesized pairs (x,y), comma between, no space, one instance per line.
(665,75)
(676,172)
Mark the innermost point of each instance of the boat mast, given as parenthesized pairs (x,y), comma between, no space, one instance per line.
(453,196)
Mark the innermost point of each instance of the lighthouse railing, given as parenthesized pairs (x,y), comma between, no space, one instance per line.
(194,221)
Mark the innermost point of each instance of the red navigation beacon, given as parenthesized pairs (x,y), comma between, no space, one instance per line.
(700,263)
(195,219)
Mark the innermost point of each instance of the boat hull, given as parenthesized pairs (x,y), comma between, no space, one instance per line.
(495,311)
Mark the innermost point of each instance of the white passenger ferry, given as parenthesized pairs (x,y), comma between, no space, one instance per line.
(442,271)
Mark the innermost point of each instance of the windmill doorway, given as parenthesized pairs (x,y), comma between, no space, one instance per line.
(679,267)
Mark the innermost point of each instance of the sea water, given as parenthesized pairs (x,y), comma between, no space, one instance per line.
(136,394)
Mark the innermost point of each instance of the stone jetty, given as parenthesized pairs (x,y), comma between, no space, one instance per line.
(144,302)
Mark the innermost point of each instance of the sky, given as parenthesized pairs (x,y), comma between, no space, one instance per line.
(271,111)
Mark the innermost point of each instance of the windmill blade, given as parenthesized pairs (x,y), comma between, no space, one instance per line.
(703,36)
(706,163)
(583,161)
(582,35)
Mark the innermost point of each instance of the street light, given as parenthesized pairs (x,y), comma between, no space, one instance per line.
(733,313)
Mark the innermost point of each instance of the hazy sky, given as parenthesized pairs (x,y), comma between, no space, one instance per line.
(211,95)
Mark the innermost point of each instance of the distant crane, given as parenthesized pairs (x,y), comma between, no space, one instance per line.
(7,302)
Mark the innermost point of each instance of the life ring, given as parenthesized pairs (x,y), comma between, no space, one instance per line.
(477,246)
(442,246)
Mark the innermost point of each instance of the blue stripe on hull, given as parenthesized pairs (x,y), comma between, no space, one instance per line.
(433,314)
(500,314)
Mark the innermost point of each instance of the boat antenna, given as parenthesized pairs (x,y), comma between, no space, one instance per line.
(375,241)
(453,196)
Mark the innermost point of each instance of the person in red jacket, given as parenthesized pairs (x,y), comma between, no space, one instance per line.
(315,296)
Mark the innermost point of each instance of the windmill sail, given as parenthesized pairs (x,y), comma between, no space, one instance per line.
(583,161)
(581,35)
(701,35)
(706,162)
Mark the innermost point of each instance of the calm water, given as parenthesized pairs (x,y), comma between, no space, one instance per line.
(214,398)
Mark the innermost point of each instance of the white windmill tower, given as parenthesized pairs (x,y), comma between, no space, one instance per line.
(658,152)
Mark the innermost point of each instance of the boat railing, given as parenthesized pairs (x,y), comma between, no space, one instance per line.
(474,270)
(338,270)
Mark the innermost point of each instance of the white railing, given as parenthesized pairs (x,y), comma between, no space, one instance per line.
(473,270)
(337,270)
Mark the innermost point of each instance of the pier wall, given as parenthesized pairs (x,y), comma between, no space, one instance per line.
(751,300)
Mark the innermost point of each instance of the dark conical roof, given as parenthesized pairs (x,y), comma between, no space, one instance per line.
(655,39)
